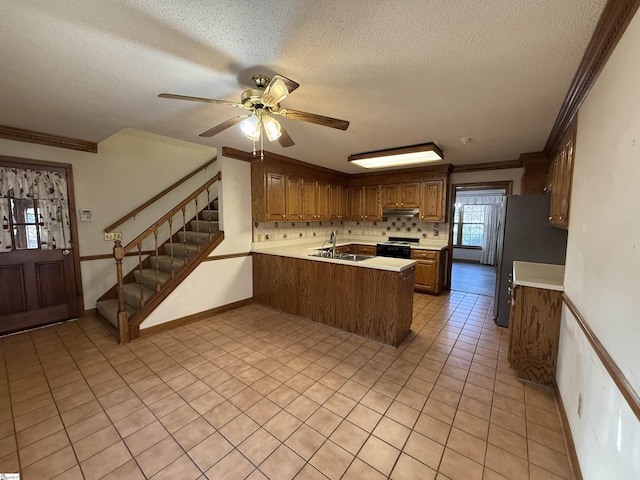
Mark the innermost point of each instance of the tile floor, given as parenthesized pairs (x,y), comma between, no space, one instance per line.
(257,394)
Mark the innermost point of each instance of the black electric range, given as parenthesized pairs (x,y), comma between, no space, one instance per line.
(397,247)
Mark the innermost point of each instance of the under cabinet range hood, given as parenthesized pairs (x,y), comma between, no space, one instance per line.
(400,212)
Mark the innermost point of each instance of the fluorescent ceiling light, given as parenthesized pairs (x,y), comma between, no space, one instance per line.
(397,157)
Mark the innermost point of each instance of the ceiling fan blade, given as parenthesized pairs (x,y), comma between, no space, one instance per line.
(284,139)
(315,118)
(278,89)
(223,126)
(200,99)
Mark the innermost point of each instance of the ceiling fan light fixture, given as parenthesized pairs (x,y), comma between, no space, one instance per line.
(271,127)
(276,92)
(250,126)
(398,157)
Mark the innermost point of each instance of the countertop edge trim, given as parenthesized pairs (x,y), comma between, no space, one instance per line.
(623,384)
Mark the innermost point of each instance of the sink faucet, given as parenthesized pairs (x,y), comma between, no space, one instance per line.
(332,240)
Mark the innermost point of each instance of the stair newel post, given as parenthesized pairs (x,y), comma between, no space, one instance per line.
(123,317)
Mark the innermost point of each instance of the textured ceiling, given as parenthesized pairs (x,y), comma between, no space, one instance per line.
(402,72)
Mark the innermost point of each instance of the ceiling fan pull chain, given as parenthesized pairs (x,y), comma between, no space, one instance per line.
(261,147)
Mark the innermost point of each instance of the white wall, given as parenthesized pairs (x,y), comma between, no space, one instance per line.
(218,282)
(130,167)
(603,271)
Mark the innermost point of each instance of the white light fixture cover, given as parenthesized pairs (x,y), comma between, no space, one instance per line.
(397,157)
(250,126)
(278,91)
(271,127)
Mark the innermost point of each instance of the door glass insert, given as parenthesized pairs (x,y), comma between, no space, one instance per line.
(26,222)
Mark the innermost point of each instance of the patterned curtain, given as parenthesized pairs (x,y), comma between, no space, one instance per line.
(45,194)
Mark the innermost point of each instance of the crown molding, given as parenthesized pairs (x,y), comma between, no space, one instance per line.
(479,167)
(31,136)
(615,18)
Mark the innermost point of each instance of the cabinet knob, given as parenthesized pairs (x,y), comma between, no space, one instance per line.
(550,218)
(402,204)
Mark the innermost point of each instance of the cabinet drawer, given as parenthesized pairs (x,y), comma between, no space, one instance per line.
(366,249)
(424,254)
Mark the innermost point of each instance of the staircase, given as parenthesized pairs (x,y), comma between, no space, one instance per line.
(162,267)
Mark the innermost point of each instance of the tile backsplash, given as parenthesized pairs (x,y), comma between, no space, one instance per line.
(394,227)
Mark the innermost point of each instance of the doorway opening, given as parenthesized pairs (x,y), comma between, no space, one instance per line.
(473,235)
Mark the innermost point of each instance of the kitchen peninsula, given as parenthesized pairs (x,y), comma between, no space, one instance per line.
(372,298)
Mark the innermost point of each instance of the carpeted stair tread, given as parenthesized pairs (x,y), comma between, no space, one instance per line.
(165,265)
(209,215)
(180,250)
(151,277)
(195,238)
(132,294)
(204,226)
(109,310)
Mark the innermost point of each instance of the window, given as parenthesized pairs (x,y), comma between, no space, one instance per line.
(468,225)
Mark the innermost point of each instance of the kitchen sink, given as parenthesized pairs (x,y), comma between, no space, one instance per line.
(352,257)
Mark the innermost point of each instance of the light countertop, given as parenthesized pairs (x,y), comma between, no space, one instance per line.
(302,249)
(539,275)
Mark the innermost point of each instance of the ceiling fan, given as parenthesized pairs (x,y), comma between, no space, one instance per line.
(263,102)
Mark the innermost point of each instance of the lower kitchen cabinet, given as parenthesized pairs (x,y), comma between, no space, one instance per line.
(376,304)
(534,331)
(430,270)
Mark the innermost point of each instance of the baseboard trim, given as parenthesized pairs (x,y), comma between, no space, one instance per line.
(178,322)
(464,260)
(570,447)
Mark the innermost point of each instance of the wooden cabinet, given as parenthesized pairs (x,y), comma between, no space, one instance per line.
(323,196)
(356,203)
(534,330)
(372,208)
(430,270)
(561,173)
(309,200)
(406,195)
(433,201)
(375,304)
(293,199)
(275,197)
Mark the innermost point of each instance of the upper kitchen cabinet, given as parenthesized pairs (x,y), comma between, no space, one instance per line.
(289,190)
(401,195)
(275,197)
(338,203)
(561,174)
(372,208)
(294,205)
(433,201)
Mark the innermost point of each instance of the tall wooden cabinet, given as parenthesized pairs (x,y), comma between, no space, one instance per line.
(401,195)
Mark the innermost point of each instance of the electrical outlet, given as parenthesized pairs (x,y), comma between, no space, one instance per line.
(579,405)
(112,236)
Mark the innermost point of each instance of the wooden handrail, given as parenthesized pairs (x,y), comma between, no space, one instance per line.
(171,213)
(137,210)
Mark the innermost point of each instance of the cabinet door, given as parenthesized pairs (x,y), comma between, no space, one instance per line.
(410,195)
(309,200)
(343,205)
(334,202)
(293,201)
(323,199)
(390,196)
(356,203)
(427,270)
(432,207)
(372,210)
(275,197)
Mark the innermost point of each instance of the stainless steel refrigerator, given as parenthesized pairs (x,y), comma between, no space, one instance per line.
(524,234)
